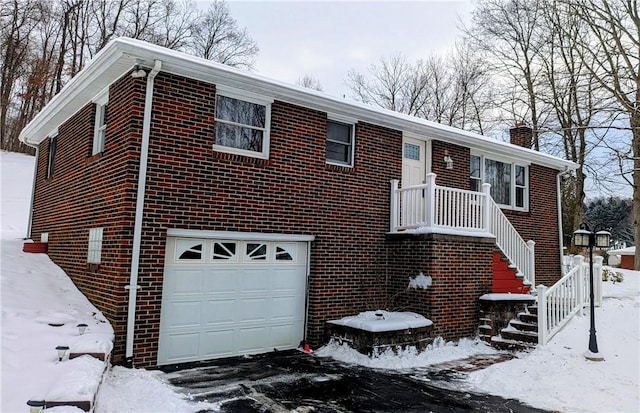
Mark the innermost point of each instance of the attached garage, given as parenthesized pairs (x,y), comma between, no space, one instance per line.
(230,294)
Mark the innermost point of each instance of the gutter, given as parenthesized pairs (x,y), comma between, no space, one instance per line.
(137,230)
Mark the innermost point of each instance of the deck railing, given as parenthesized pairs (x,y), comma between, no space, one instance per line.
(432,208)
(567,297)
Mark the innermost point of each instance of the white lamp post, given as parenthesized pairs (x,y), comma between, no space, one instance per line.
(584,237)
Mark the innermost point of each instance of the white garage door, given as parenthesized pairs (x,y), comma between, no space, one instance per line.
(231,297)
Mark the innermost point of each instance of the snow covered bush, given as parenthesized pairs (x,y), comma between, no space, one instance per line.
(610,275)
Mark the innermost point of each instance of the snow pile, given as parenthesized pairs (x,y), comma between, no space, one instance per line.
(35,294)
(439,351)
(558,377)
(137,390)
(380,320)
(420,281)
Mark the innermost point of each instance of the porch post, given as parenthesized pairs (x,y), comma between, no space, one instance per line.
(531,245)
(393,206)
(577,262)
(597,279)
(486,208)
(430,206)
(542,314)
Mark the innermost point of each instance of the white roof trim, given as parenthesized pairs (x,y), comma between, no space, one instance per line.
(122,54)
(233,235)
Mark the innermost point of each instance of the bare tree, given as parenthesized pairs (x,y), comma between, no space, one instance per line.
(510,32)
(44,43)
(310,82)
(451,90)
(217,37)
(611,53)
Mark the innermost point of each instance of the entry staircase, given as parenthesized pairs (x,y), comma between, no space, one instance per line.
(436,209)
(432,208)
(554,308)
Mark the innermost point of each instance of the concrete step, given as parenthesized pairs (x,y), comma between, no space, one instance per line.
(528,318)
(533,309)
(516,335)
(514,345)
(523,326)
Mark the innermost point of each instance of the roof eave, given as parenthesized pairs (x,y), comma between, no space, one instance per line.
(120,55)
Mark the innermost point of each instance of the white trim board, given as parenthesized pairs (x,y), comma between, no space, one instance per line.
(235,235)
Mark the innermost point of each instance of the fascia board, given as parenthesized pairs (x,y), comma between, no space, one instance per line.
(104,69)
(120,55)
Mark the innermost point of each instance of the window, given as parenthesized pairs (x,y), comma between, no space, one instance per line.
(224,251)
(256,252)
(53,142)
(100,127)
(286,252)
(94,255)
(411,151)
(340,143)
(242,124)
(189,250)
(509,183)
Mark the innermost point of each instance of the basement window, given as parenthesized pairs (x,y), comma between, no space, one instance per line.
(94,255)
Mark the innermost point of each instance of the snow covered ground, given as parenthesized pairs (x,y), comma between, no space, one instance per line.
(35,292)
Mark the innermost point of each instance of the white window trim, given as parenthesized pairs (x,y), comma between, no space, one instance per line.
(99,129)
(348,122)
(94,250)
(512,187)
(251,98)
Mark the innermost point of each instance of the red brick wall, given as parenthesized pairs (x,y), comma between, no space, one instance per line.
(94,191)
(540,223)
(461,271)
(295,191)
(193,187)
(458,177)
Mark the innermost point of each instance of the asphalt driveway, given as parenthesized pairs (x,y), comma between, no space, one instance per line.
(293,381)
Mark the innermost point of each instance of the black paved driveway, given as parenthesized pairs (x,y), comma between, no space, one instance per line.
(292,381)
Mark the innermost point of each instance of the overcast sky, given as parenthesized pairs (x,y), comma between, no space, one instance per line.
(325,39)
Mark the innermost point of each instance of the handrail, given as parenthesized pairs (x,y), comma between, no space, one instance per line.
(442,209)
(567,297)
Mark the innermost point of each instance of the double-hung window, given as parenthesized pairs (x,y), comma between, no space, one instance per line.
(100,127)
(242,123)
(340,142)
(509,180)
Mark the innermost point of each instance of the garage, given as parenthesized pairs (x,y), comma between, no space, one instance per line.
(238,295)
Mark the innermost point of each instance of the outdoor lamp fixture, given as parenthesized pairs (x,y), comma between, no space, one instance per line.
(584,237)
(81,328)
(448,162)
(62,351)
(35,406)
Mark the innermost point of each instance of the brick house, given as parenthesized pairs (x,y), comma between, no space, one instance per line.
(211,212)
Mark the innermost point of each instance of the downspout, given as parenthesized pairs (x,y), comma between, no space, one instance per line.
(560,232)
(33,190)
(137,230)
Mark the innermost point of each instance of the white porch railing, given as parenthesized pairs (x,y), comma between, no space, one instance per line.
(432,208)
(567,297)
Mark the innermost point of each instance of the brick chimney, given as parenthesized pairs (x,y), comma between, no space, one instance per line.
(521,135)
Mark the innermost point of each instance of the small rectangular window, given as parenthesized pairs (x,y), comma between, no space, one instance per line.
(242,126)
(521,186)
(101,103)
(340,143)
(94,255)
(476,178)
(100,128)
(53,142)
